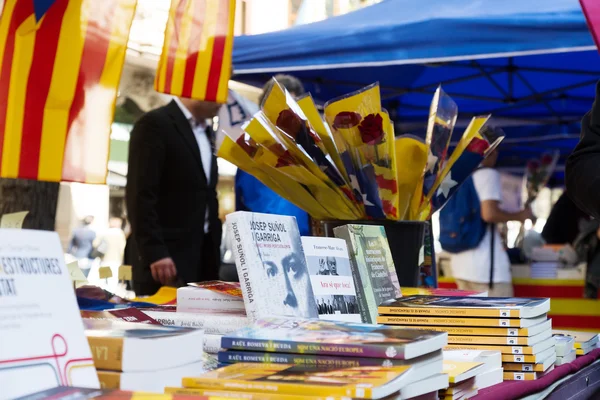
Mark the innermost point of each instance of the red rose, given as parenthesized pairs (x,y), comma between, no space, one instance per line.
(248,146)
(290,122)
(547,159)
(478,146)
(533,165)
(371,129)
(346,119)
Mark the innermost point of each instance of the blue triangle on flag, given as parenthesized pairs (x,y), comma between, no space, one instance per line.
(40,7)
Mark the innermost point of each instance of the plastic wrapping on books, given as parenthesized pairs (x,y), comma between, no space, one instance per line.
(364,135)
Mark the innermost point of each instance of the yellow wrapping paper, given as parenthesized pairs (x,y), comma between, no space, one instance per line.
(411,160)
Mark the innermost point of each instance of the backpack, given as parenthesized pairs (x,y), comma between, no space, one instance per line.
(461,226)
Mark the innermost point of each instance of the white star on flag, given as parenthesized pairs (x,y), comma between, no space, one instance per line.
(446,185)
(365,201)
(431,160)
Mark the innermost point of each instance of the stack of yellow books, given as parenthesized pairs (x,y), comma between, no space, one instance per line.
(516,327)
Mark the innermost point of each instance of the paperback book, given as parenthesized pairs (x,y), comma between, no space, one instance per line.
(210,321)
(211,295)
(461,321)
(543,328)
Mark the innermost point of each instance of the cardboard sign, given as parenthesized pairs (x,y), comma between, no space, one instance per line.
(75,272)
(13,220)
(105,272)
(125,273)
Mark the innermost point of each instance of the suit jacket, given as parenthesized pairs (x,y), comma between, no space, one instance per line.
(167,197)
(581,175)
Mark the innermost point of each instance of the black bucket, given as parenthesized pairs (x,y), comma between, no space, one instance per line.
(406,240)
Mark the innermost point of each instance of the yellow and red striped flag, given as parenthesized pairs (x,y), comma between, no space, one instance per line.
(196,55)
(60,66)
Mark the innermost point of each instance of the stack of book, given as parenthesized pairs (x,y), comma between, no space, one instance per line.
(491,371)
(545,262)
(516,327)
(461,375)
(216,307)
(583,342)
(143,356)
(321,358)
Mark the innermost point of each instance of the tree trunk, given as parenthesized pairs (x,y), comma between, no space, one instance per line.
(39,198)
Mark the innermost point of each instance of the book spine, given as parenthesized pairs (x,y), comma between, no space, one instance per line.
(502,349)
(468,331)
(208,300)
(242,263)
(107,352)
(498,340)
(337,349)
(109,379)
(419,320)
(216,325)
(516,367)
(450,312)
(233,357)
(363,306)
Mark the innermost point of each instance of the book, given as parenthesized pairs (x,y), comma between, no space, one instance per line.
(78,393)
(545,326)
(491,360)
(413,291)
(334,338)
(245,395)
(529,358)
(361,383)
(425,389)
(501,340)
(271,266)
(520,323)
(123,314)
(564,345)
(212,343)
(495,307)
(525,376)
(372,265)
(489,378)
(584,351)
(149,381)
(566,359)
(432,360)
(211,295)
(331,278)
(537,348)
(582,339)
(539,367)
(459,371)
(129,347)
(210,321)
(39,317)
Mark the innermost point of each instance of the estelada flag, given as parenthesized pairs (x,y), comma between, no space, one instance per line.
(196,55)
(591,9)
(60,66)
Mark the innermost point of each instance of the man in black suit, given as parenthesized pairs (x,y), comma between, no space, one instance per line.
(171,196)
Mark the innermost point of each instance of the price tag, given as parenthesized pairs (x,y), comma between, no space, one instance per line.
(125,273)
(75,272)
(504,313)
(519,377)
(513,332)
(527,367)
(13,220)
(511,340)
(517,350)
(105,272)
(504,322)
(519,359)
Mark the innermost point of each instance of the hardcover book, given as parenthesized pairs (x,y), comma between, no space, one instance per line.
(42,342)
(373,269)
(271,266)
(496,307)
(361,383)
(334,338)
(331,277)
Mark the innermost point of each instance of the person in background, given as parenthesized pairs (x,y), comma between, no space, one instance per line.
(252,195)
(471,268)
(171,196)
(81,245)
(115,240)
(564,223)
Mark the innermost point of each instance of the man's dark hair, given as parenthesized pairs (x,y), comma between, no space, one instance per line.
(289,82)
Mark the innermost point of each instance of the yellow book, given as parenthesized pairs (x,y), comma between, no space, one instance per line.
(529,358)
(224,394)
(473,331)
(500,340)
(359,382)
(526,367)
(537,348)
(459,371)
(583,352)
(582,339)
(431,322)
(525,376)
(449,306)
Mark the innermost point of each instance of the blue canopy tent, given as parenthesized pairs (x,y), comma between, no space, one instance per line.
(532,64)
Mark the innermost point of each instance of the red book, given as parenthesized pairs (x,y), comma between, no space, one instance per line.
(591,10)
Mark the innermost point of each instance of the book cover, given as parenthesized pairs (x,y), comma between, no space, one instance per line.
(462,322)
(522,333)
(500,340)
(331,278)
(42,342)
(217,322)
(122,314)
(498,307)
(362,383)
(459,371)
(319,361)
(373,268)
(537,348)
(196,299)
(271,266)
(528,358)
(334,338)
(525,367)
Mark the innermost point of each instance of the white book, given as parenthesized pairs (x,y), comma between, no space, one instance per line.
(149,381)
(423,387)
(211,322)
(212,343)
(271,266)
(489,378)
(564,345)
(568,358)
(42,340)
(491,360)
(197,299)
(328,263)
